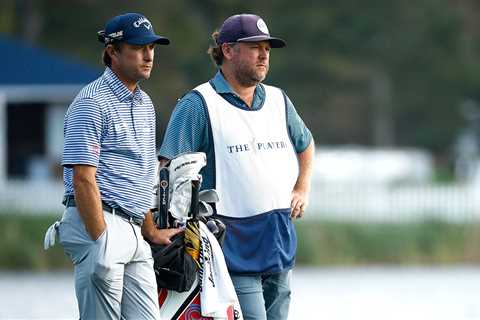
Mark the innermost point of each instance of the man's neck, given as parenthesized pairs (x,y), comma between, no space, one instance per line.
(244,92)
(130,84)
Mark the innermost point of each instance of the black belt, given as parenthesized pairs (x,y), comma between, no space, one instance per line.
(69,201)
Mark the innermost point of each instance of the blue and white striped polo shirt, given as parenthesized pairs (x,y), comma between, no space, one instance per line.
(113,129)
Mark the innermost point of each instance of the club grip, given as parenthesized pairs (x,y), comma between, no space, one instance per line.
(194,203)
(163,187)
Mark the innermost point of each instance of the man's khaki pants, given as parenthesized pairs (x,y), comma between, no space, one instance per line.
(114,277)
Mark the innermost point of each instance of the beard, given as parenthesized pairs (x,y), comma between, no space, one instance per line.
(248,75)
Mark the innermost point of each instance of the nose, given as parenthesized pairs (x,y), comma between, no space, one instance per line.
(148,53)
(264,52)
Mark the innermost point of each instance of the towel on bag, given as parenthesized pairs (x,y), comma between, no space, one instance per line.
(217,293)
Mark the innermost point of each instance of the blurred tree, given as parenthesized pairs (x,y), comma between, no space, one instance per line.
(371,72)
(32,22)
(7,15)
(398,60)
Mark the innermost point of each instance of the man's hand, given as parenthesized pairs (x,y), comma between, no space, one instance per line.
(163,236)
(157,236)
(299,202)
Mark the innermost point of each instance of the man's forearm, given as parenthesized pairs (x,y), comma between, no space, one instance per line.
(305,160)
(89,204)
(148,227)
(301,190)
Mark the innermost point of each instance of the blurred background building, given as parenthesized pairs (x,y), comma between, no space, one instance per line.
(36,88)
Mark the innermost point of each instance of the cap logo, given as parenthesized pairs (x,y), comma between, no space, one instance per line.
(116,35)
(142,22)
(262,26)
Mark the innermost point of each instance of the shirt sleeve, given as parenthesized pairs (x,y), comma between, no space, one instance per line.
(187,130)
(82,133)
(299,133)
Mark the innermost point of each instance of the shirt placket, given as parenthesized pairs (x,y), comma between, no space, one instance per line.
(132,114)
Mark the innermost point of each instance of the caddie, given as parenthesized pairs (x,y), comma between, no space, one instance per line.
(259,159)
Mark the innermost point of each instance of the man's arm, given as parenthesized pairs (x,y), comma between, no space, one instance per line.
(187,129)
(87,199)
(301,190)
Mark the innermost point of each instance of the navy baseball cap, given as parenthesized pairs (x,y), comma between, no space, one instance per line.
(247,28)
(132,28)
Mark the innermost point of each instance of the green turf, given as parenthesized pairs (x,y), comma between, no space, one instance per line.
(319,243)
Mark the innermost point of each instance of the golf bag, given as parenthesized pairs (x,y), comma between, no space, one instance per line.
(178,202)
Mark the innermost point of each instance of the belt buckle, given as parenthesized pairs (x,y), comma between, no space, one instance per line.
(135,221)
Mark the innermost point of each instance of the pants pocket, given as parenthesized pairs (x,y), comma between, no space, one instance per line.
(75,241)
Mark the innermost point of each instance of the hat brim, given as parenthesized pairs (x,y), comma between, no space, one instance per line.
(148,39)
(274,42)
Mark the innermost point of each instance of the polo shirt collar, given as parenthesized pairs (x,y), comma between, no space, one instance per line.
(119,89)
(222,87)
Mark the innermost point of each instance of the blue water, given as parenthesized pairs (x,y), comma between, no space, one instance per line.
(373,293)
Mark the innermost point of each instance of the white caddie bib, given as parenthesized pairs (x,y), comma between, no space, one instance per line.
(255,162)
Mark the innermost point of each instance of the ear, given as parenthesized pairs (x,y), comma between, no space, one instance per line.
(227,50)
(111,51)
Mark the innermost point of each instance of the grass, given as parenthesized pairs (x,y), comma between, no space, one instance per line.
(319,243)
(423,242)
(21,238)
